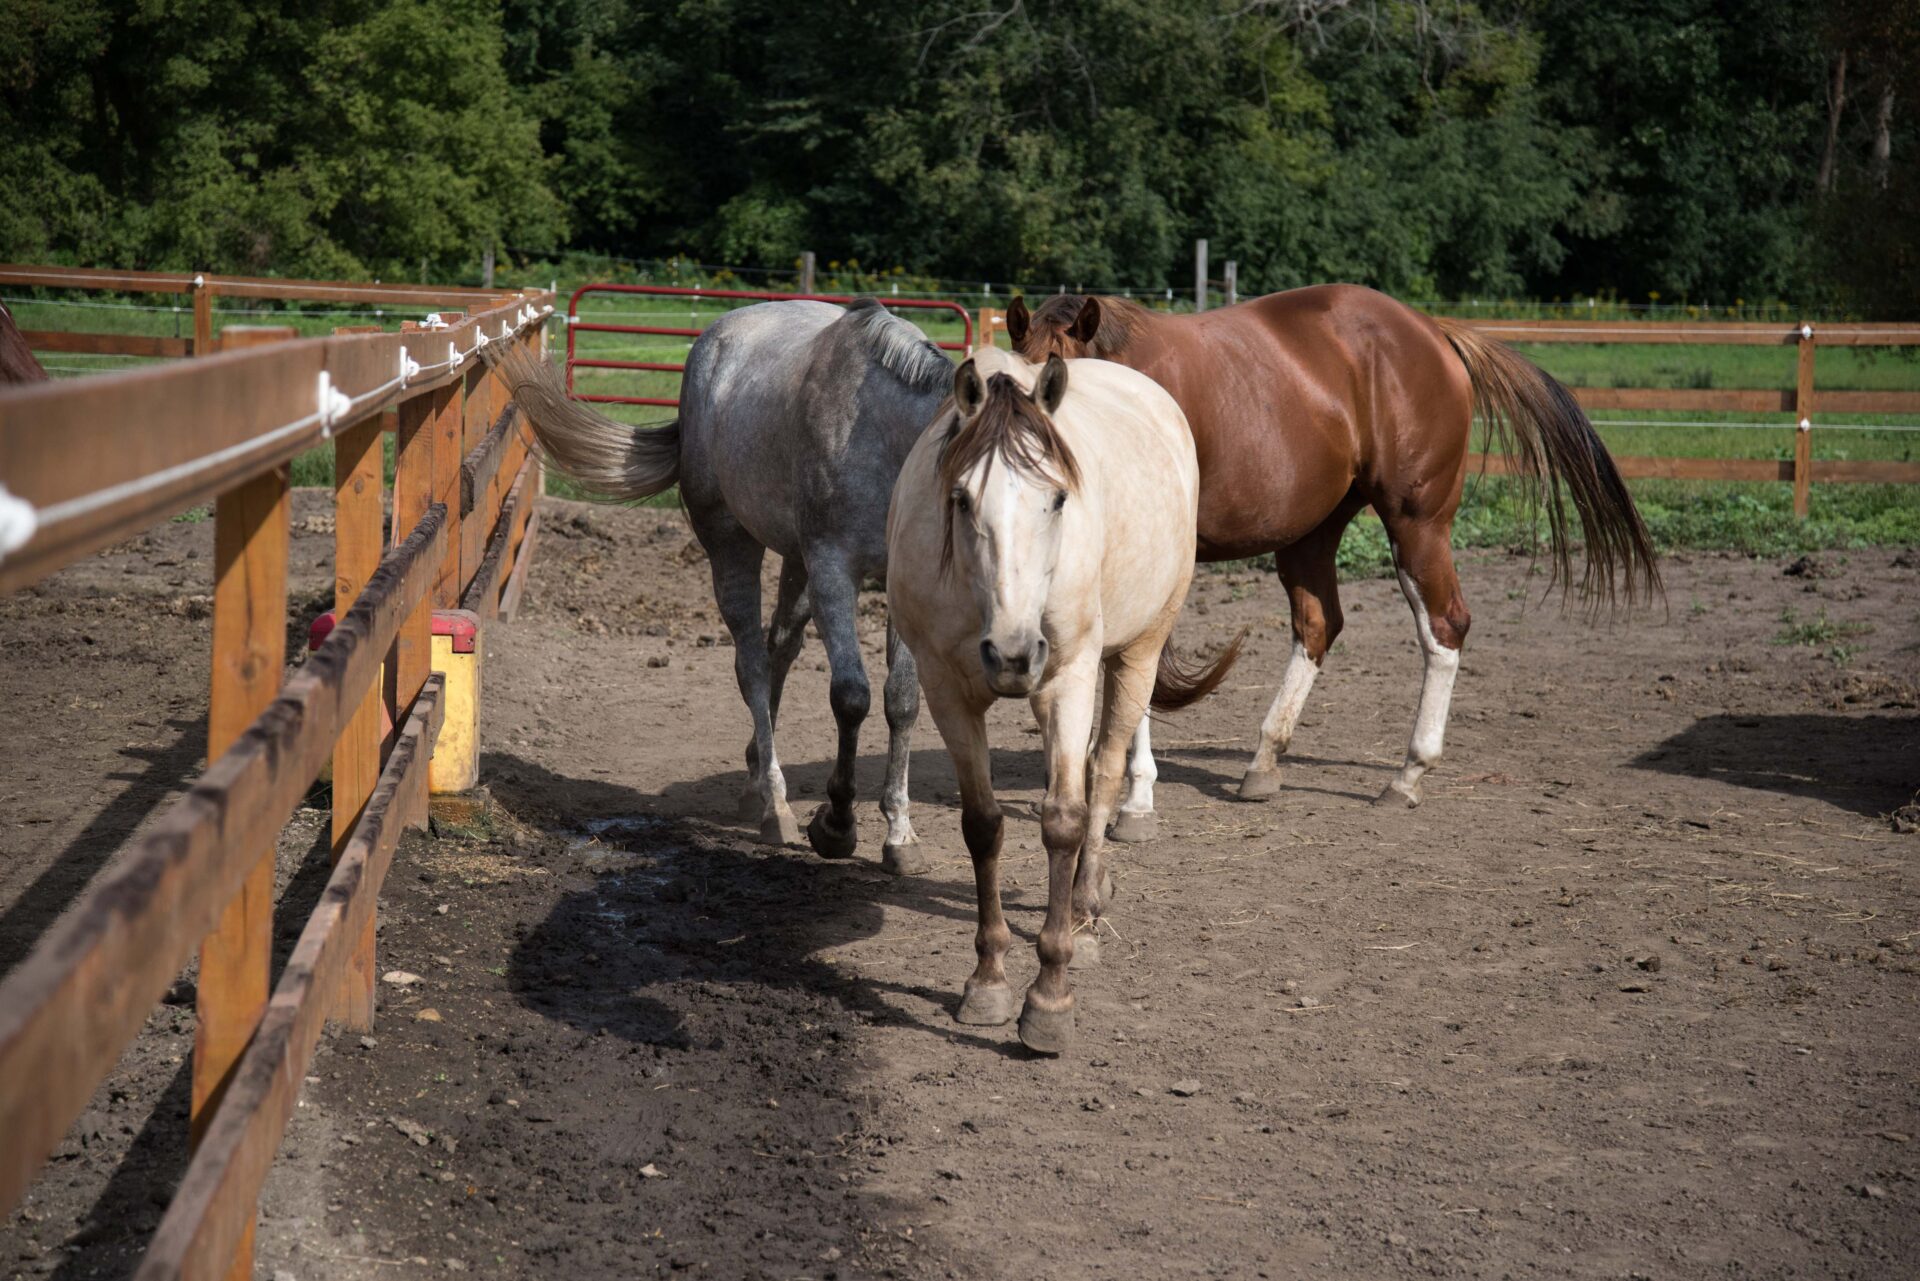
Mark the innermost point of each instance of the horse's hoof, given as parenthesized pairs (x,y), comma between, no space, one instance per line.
(1086,951)
(1133,826)
(750,807)
(779,829)
(985,1006)
(1260,785)
(905,860)
(1046,1031)
(827,840)
(1399,796)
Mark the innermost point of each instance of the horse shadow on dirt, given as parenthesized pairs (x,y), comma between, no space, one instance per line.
(686,906)
(1865,764)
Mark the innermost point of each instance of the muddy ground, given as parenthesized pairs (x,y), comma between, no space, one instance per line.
(1633,994)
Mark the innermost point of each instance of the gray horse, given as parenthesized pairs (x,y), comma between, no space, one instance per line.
(795,418)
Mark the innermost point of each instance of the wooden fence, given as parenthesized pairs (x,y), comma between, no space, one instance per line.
(88,462)
(1803,401)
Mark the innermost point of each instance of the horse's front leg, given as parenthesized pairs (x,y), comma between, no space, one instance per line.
(836,594)
(1064,707)
(988,1000)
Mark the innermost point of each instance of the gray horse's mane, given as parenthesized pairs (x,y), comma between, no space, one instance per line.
(899,346)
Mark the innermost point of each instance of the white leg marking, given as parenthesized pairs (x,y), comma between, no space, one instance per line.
(1141,772)
(1276,732)
(1436,694)
(894,805)
(773,785)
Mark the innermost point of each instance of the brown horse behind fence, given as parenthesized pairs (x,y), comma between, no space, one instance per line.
(17,364)
(1307,406)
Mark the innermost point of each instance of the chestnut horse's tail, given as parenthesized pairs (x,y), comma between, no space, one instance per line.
(1181,682)
(609,458)
(1539,423)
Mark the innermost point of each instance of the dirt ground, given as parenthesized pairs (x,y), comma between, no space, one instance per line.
(1634,994)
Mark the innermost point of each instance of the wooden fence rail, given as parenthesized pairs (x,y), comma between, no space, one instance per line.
(1801,400)
(204,288)
(98,459)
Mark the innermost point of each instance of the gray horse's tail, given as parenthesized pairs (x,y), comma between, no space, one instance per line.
(610,458)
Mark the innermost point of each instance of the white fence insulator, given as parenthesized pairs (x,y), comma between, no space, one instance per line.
(334,404)
(18,521)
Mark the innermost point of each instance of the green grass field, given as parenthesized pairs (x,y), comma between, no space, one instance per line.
(1754,517)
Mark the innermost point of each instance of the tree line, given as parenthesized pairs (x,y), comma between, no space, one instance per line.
(1704,150)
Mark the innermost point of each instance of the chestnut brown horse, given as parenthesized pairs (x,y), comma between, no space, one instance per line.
(17,364)
(1307,406)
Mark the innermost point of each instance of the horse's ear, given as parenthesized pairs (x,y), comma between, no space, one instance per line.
(1050,388)
(969,392)
(1019,320)
(1087,323)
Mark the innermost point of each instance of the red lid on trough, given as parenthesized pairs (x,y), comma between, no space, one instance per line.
(461,624)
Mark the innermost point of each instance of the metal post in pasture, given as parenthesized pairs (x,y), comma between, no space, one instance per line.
(1200,275)
(1803,428)
(806,271)
(1233,282)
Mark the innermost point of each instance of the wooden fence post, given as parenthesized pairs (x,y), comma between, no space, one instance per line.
(806,272)
(1200,275)
(1803,430)
(413,493)
(1232,270)
(469,541)
(357,516)
(991,319)
(250,542)
(202,317)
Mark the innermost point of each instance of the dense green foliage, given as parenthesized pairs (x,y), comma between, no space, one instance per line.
(1428,147)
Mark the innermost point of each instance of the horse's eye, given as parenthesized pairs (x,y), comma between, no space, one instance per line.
(961,501)
(1059,499)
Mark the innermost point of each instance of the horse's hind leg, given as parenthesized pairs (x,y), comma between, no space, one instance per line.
(901,855)
(736,557)
(785,636)
(836,595)
(1423,560)
(1129,688)
(1307,570)
(1134,820)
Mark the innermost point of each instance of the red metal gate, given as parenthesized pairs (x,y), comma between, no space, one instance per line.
(576,325)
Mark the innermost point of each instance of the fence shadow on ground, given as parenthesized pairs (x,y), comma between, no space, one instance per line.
(156,774)
(1864,764)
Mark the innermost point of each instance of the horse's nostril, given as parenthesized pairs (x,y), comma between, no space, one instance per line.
(990,655)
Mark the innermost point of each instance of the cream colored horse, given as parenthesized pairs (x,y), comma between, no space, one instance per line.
(1041,534)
